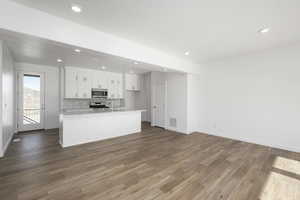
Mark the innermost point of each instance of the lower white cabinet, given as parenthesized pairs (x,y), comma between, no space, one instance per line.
(79,83)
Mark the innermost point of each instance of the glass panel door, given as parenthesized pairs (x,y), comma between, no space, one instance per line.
(31,102)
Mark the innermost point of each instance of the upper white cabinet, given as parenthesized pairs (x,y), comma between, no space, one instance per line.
(71,83)
(115,85)
(119,87)
(85,80)
(100,80)
(132,82)
(79,83)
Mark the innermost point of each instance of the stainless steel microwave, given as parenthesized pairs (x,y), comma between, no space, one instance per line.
(99,93)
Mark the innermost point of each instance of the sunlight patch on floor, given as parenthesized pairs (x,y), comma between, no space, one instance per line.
(281,187)
(288,165)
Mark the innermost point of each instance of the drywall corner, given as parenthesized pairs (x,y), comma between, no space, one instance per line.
(1,131)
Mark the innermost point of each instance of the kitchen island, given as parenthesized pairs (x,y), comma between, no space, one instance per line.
(90,125)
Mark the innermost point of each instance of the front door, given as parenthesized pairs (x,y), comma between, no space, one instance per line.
(30,101)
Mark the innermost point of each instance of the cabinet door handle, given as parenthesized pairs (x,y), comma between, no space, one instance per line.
(84,79)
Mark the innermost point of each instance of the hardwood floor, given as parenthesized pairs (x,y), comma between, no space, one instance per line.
(155,164)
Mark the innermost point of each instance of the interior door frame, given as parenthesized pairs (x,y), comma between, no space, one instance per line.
(154,87)
(19,102)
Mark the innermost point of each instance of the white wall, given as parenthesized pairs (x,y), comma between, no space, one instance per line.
(176,101)
(7,94)
(143,97)
(52,92)
(175,105)
(195,103)
(1,100)
(256,98)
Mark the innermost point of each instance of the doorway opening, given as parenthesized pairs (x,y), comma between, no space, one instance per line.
(30,101)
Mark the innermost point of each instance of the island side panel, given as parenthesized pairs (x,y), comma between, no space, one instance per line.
(80,129)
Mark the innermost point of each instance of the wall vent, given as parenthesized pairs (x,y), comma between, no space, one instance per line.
(173,122)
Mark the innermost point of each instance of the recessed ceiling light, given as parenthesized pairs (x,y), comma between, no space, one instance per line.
(136,63)
(264,30)
(187,53)
(59,60)
(77,50)
(103,67)
(76,8)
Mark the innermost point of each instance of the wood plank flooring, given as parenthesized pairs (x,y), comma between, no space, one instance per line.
(152,165)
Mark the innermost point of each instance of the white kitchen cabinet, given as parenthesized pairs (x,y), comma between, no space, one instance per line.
(100,80)
(84,83)
(119,86)
(137,84)
(78,83)
(111,86)
(115,85)
(129,82)
(132,82)
(71,83)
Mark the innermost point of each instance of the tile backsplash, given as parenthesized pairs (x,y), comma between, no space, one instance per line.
(85,103)
(76,103)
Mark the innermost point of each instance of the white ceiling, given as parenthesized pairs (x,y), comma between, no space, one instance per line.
(209,29)
(34,50)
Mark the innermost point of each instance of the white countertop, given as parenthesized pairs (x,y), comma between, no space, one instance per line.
(98,111)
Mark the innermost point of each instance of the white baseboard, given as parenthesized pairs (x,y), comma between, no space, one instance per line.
(276,146)
(6,145)
(175,130)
